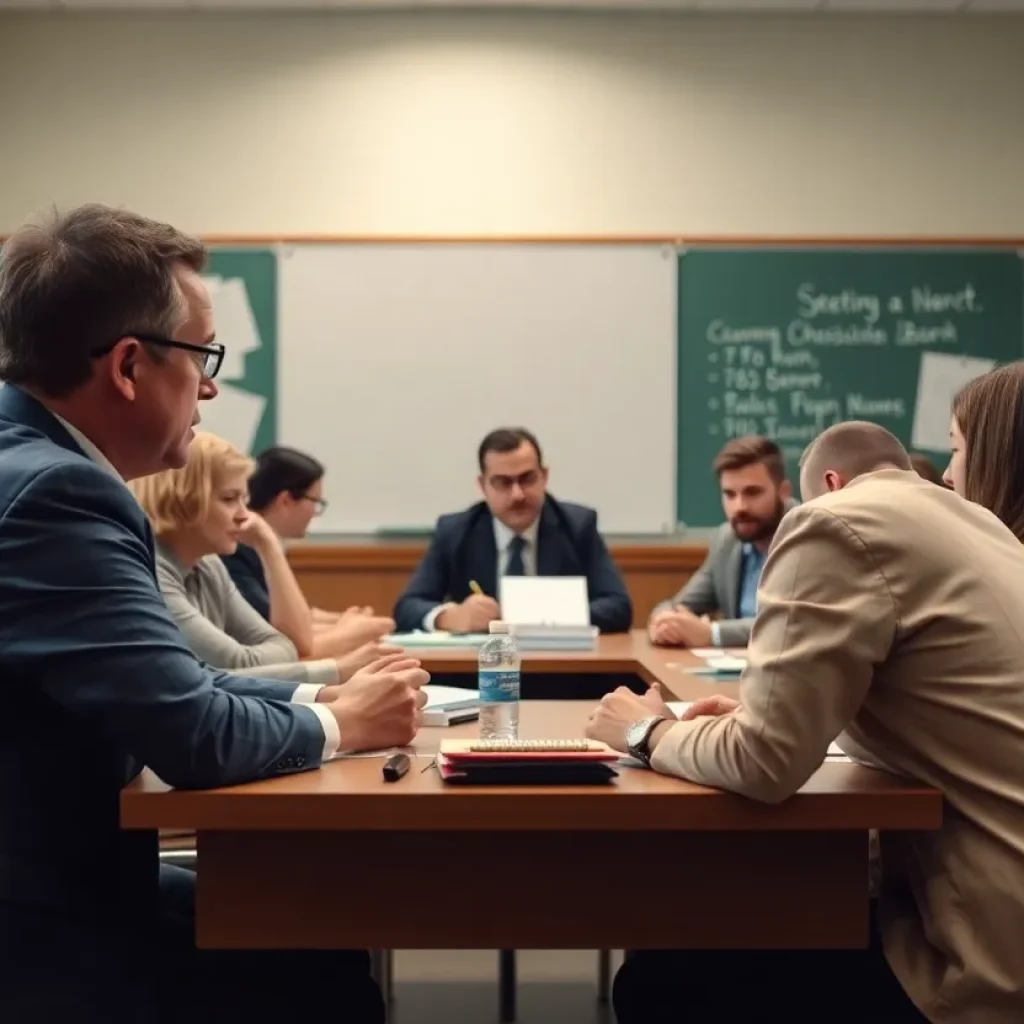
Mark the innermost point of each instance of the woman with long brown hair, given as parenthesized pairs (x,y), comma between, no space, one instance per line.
(987,440)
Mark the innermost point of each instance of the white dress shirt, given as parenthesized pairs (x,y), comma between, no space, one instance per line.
(305,693)
(503,537)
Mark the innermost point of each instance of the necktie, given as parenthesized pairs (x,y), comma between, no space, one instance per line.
(516,566)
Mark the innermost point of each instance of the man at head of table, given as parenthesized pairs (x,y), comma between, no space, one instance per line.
(755,496)
(519,529)
(890,619)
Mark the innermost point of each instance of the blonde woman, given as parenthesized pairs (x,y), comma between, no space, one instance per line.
(199,513)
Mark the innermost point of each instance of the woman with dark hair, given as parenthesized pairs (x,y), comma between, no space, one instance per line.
(987,440)
(286,490)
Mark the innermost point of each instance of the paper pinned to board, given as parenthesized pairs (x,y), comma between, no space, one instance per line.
(235,416)
(236,322)
(939,379)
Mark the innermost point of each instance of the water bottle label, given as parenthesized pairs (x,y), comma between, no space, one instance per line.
(498,686)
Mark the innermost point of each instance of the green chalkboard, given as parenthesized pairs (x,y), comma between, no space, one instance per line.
(785,342)
(243,286)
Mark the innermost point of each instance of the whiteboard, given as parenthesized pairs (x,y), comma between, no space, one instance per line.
(396,359)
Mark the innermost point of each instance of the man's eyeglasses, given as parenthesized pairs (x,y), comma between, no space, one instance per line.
(212,353)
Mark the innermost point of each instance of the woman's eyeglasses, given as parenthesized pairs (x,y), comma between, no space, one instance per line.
(319,504)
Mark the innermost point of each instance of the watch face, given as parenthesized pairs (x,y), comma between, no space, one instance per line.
(636,735)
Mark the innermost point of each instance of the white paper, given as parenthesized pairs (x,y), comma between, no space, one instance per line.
(941,376)
(419,638)
(234,415)
(727,663)
(346,756)
(439,696)
(677,707)
(545,600)
(234,323)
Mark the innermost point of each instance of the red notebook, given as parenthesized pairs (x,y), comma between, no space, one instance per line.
(514,751)
(526,762)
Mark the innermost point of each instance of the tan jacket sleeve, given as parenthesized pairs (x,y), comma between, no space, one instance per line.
(825,618)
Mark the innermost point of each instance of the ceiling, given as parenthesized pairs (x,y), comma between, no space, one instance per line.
(714,6)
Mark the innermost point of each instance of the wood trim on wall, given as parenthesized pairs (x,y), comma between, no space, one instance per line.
(682,240)
(314,558)
(336,576)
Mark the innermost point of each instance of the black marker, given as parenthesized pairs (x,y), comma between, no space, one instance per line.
(395,767)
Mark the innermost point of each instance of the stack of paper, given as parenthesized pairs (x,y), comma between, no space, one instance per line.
(438,639)
(721,667)
(449,705)
(524,762)
(725,665)
(555,638)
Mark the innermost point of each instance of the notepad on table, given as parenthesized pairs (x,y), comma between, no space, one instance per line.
(449,705)
(721,667)
(437,639)
(524,762)
(545,600)
(550,613)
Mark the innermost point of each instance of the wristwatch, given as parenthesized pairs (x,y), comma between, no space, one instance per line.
(638,736)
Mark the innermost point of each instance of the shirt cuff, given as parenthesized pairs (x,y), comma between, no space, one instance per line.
(332,734)
(716,635)
(305,693)
(431,617)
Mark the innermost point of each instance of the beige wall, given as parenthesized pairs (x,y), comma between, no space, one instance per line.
(519,123)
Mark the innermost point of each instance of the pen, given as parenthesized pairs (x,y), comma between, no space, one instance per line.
(475,587)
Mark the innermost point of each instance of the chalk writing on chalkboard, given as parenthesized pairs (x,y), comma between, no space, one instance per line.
(772,379)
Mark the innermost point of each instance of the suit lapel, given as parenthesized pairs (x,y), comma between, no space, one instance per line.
(550,545)
(483,554)
(733,568)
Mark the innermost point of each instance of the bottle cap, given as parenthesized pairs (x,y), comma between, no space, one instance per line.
(497,626)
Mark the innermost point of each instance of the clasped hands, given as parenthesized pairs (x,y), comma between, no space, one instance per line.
(609,722)
(679,627)
(381,705)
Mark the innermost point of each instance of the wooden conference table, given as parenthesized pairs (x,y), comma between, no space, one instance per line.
(337,858)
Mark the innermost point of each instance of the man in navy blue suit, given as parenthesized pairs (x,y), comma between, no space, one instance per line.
(106,347)
(518,529)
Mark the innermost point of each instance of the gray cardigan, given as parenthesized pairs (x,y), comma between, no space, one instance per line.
(224,630)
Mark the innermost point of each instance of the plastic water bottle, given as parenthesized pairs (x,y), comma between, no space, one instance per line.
(499,685)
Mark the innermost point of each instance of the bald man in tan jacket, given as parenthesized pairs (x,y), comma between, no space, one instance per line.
(890,616)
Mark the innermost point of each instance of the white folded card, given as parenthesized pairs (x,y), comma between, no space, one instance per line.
(544,600)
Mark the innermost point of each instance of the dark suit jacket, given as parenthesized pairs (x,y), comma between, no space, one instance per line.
(97,682)
(245,567)
(463,549)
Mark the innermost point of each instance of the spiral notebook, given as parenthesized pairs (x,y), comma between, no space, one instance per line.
(526,762)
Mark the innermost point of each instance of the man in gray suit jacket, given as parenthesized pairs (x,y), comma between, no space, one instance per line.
(106,347)
(755,496)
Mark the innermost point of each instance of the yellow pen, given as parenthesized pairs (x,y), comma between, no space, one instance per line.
(475,587)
